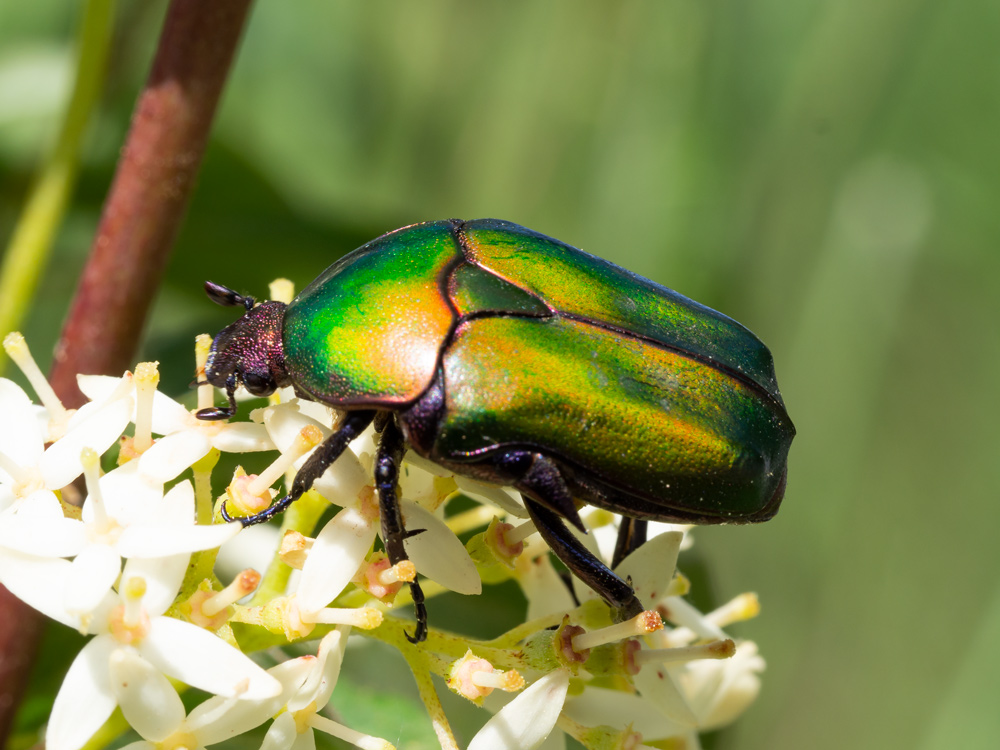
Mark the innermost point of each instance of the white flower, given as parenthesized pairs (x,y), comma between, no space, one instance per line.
(186,439)
(293,728)
(30,473)
(335,557)
(525,722)
(134,618)
(153,708)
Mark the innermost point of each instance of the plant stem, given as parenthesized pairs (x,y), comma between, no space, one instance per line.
(155,178)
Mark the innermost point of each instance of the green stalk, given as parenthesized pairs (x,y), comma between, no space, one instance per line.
(32,239)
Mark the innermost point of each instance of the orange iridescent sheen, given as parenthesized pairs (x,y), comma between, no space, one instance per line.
(370,328)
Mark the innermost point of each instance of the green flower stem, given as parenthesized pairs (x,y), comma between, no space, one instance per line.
(429,696)
(515,635)
(32,239)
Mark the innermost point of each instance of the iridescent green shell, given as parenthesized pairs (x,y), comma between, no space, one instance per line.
(543,346)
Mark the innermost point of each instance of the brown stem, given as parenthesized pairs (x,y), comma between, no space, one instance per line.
(155,178)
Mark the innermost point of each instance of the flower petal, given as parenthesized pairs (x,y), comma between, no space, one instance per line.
(322,678)
(658,689)
(22,439)
(242,437)
(281,734)
(149,541)
(651,567)
(85,700)
(170,416)
(38,582)
(526,721)
(437,552)
(162,576)
(36,526)
(60,464)
(97,387)
(543,588)
(12,395)
(342,483)
(202,660)
(129,496)
(91,577)
(334,558)
(283,423)
(596,706)
(147,699)
(174,453)
(503,498)
(219,719)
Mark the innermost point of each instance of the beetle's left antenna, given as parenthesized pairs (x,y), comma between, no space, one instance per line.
(223,295)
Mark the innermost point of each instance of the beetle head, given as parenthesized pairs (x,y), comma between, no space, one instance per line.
(248,351)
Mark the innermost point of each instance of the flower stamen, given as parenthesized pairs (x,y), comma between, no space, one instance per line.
(147,377)
(17,349)
(206,391)
(92,475)
(307,439)
(721,649)
(642,624)
(364,741)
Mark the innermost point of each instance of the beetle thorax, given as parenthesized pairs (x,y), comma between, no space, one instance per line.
(250,350)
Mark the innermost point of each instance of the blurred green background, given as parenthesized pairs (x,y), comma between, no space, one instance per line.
(825,171)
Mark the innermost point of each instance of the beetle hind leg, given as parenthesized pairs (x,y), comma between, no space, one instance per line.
(388,457)
(548,500)
(631,536)
(582,562)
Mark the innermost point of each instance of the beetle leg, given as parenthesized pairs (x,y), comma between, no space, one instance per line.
(540,476)
(355,422)
(215,412)
(581,561)
(388,457)
(631,536)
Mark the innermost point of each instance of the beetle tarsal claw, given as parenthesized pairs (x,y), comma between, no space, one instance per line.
(412,533)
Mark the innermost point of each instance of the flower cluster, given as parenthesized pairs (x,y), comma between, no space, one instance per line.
(133,563)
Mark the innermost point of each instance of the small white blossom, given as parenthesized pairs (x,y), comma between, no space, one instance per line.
(335,557)
(153,708)
(134,619)
(525,722)
(30,473)
(186,439)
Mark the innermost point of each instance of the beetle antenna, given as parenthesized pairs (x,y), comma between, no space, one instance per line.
(223,295)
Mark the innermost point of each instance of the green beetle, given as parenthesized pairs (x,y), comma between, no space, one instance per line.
(510,357)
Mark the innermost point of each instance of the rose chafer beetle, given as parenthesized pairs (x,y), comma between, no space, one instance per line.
(504,355)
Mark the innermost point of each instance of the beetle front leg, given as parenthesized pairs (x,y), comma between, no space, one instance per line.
(389,456)
(583,564)
(355,422)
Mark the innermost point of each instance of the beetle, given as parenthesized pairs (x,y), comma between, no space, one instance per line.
(510,357)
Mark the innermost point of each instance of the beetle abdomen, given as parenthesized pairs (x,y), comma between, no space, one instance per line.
(641,418)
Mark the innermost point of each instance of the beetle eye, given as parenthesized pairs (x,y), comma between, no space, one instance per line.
(258,385)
